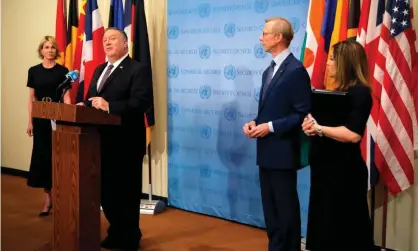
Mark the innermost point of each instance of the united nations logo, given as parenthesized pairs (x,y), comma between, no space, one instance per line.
(257,94)
(205,171)
(173,32)
(173,109)
(172,71)
(230,113)
(46,99)
(204,51)
(261,6)
(295,23)
(204,10)
(173,148)
(229,29)
(259,51)
(230,72)
(205,131)
(205,92)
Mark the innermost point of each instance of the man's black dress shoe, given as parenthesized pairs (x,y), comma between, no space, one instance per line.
(111,243)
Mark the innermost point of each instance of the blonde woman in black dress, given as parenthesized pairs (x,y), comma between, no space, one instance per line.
(43,81)
(338,217)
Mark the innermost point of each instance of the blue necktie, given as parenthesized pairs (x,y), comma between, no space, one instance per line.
(269,77)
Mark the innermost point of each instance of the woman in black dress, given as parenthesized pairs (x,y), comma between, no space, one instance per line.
(338,217)
(43,80)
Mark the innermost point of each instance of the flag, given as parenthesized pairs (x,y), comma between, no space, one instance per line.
(93,53)
(71,35)
(116,14)
(141,52)
(345,24)
(368,35)
(60,30)
(77,92)
(396,119)
(329,22)
(314,53)
(127,21)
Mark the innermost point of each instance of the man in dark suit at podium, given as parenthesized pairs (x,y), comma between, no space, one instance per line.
(284,102)
(123,87)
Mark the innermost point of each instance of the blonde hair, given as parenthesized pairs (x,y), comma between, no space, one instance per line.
(282,26)
(54,44)
(351,64)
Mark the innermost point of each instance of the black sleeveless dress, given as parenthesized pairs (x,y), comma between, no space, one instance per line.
(45,82)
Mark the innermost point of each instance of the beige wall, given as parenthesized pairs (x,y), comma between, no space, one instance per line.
(23,26)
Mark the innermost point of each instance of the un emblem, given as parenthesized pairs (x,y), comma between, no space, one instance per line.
(230,72)
(295,23)
(261,6)
(204,51)
(173,148)
(173,71)
(205,131)
(230,113)
(173,32)
(205,92)
(229,29)
(259,51)
(257,94)
(173,109)
(204,10)
(205,172)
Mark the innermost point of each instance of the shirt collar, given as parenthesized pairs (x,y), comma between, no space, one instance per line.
(281,57)
(117,63)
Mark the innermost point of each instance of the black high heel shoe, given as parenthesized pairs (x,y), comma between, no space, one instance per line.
(43,214)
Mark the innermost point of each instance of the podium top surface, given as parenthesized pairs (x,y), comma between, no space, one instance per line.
(72,113)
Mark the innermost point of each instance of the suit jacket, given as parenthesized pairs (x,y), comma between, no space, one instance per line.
(128,90)
(286,103)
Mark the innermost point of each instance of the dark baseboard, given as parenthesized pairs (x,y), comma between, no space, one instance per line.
(23,174)
(14,172)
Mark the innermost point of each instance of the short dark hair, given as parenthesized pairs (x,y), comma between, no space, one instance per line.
(121,32)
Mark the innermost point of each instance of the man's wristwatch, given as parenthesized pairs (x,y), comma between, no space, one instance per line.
(319,130)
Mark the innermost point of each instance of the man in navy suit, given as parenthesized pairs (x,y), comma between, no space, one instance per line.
(284,103)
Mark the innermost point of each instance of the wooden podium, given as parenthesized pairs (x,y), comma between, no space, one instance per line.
(76,174)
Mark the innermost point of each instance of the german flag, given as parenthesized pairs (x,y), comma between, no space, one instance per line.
(60,30)
(141,53)
(71,35)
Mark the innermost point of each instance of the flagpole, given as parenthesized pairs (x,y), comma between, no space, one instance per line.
(149,173)
(385,214)
(373,207)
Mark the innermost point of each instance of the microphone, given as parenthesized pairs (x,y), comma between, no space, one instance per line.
(70,77)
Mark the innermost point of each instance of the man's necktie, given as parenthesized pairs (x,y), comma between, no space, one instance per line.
(105,77)
(269,77)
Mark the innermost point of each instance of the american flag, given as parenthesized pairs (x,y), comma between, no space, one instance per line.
(392,133)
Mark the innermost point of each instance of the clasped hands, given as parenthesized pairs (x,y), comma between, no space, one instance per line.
(251,130)
(310,126)
(98,103)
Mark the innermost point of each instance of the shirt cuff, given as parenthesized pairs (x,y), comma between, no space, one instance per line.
(271,126)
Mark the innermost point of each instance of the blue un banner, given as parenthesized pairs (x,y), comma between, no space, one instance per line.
(215,64)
